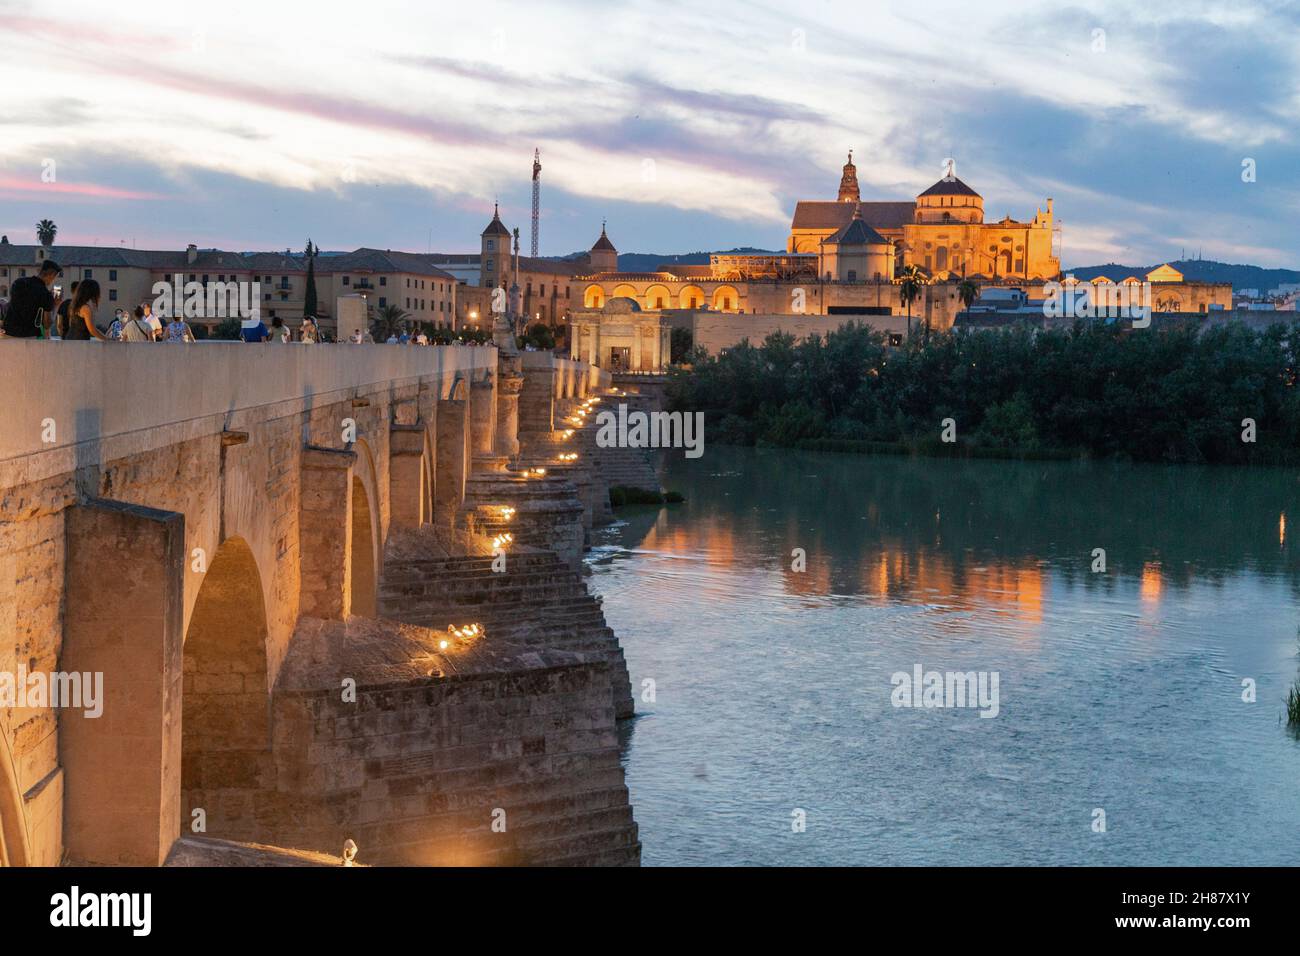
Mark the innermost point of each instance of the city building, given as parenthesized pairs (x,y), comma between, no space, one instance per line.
(127,277)
(943,231)
(546,286)
(621,337)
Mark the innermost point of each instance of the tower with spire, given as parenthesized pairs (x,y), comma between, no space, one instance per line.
(494,252)
(849,182)
(603,255)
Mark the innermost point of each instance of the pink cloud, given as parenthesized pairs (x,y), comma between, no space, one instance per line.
(20,189)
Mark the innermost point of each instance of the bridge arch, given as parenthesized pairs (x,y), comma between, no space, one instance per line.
(366,537)
(225,704)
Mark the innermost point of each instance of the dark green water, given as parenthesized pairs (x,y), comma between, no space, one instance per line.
(1119,690)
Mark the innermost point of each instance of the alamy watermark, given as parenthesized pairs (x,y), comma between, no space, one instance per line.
(637,429)
(208,300)
(1098,300)
(927,689)
(62,690)
(75,908)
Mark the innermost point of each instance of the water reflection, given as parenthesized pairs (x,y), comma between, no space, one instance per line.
(978,533)
(1119,689)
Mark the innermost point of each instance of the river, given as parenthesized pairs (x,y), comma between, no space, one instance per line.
(1119,696)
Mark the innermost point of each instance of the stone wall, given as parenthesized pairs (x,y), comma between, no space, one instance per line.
(468,756)
(214,434)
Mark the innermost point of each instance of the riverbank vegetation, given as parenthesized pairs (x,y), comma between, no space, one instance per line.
(1169,394)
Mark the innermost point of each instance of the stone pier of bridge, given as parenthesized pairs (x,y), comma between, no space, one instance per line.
(273,557)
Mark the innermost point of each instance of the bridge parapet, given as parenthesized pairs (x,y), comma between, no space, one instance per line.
(133,398)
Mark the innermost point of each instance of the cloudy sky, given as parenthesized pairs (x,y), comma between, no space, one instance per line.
(692,125)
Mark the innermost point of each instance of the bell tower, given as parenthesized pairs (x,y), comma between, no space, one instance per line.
(849,182)
(494,252)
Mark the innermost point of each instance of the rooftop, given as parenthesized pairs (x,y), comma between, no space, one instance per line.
(159,260)
(817,214)
(858,233)
(950,187)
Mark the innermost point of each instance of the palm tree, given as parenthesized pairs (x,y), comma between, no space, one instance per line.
(390,319)
(968,292)
(46,231)
(909,290)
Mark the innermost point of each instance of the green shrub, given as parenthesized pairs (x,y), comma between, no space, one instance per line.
(1170,394)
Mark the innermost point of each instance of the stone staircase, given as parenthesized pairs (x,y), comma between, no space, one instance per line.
(629,467)
(537,602)
(548,511)
(544,450)
(482,753)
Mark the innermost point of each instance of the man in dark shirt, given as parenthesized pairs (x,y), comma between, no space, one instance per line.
(27,297)
(254,333)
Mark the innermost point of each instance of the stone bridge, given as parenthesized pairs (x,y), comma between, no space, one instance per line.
(262,550)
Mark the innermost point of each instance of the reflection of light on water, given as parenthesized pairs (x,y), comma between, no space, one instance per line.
(1281,529)
(931,578)
(1151,583)
(770,679)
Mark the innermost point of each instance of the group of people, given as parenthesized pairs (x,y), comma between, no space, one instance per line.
(309,334)
(37,308)
(403,337)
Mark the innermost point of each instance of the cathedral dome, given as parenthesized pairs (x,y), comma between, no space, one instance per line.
(950,201)
(949,187)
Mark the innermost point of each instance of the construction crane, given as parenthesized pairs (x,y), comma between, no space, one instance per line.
(537,195)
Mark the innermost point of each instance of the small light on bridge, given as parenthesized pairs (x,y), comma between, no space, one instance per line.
(463,634)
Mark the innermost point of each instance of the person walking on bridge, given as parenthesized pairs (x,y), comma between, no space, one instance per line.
(81,317)
(178,331)
(31,303)
(137,329)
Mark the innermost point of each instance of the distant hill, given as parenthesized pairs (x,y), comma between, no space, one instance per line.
(1199,270)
